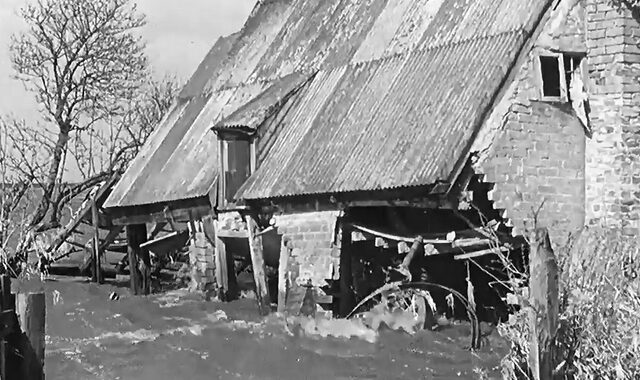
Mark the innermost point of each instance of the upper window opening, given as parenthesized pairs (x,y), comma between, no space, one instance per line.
(551,83)
(557,71)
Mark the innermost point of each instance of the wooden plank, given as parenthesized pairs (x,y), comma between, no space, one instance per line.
(544,298)
(73,224)
(283,273)
(31,312)
(258,265)
(169,242)
(97,252)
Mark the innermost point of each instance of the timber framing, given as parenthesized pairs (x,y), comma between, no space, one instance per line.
(178,211)
(427,197)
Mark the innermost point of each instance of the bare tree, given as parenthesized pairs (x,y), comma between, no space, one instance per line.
(80,58)
(85,63)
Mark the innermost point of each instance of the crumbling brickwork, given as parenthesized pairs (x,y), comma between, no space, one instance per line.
(201,258)
(612,155)
(533,151)
(538,157)
(313,255)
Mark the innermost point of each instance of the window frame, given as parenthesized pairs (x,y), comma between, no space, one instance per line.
(223,162)
(564,97)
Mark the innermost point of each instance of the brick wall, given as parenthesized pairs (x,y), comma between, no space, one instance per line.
(534,151)
(613,167)
(538,156)
(201,258)
(313,255)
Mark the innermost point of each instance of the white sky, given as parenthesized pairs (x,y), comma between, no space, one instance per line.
(178,32)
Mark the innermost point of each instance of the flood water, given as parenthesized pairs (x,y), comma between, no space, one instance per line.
(176,335)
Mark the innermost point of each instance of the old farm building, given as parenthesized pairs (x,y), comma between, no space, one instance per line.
(324,136)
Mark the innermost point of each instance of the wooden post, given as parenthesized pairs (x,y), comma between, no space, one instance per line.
(136,235)
(347,300)
(97,265)
(259,273)
(5,305)
(31,314)
(544,305)
(283,269)
(220,254)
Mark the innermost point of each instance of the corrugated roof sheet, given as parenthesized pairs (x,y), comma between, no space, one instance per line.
(185,166)
(256,111)
(287,36)
(395,122)
(212,62)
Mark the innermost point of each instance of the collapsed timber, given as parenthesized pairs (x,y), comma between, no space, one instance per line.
(445,270)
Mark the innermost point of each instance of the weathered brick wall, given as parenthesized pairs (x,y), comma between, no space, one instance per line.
(534,151)
(313,256)
(613,167)
(201,258)
(538,157)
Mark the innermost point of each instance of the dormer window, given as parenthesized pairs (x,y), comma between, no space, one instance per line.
(237,156)
(556,72)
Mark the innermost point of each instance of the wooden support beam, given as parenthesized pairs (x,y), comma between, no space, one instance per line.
(179,215)
(283,270)
(347,299)
(544,299)
(73,224)
(259,272)
(97,252)
(114,232)
(136,235)
(156,228)
(220,257)
(6,305)
(31,312)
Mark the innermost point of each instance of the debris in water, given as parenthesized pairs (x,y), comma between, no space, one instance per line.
(114,296)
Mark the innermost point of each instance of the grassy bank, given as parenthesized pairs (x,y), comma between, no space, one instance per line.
(599,333)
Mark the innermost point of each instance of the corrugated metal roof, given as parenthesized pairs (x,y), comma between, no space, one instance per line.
(212,62)
(287,36)
(395,122)
(186,166)
(256,111)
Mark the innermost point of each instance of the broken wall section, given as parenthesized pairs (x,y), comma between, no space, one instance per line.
(313,256)
(201,256)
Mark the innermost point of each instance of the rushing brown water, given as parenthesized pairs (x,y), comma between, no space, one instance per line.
(176,335)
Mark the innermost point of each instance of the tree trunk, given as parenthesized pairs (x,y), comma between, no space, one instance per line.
(50,183)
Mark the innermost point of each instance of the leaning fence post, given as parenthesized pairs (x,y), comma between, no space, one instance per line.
(30,308)
(6,305)
(544,303)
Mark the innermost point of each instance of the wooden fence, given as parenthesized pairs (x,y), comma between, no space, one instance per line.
(22,323)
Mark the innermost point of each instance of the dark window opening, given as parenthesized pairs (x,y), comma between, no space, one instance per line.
(237,167)
(571,63)
(550,68)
